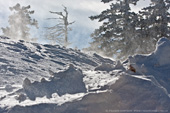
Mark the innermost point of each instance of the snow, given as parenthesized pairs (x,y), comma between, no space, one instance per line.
(162,52)
(160,57)
(96,80)
(69,81)
(49,78)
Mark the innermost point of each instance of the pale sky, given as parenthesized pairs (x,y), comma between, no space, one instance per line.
(79,11)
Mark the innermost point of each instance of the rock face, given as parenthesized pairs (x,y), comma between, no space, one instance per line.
(69,81)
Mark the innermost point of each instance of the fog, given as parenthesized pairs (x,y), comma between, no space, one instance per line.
(79,11)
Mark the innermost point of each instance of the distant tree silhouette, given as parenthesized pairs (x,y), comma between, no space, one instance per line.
(20,22)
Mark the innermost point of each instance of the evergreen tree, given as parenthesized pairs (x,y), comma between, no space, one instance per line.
(59,32)
(154,24)
(117,35)
(20,22)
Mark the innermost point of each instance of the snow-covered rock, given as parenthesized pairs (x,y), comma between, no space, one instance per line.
(64,80)
(104,67)
(8,88)
(160,57)
(110,66)
(21,97)
(69,81)
(156,65)
(162,52)
(20,60)
(129,94)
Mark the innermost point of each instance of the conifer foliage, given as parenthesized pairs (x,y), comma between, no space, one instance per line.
(117,32)
(20,22)
(125,32)
(153,24)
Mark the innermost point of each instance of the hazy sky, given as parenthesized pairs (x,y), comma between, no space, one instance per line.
(79,11)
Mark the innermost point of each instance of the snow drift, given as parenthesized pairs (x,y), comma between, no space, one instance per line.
(69,81)
(156,66)
(49,79)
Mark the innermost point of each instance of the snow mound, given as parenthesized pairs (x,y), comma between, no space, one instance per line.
(8,88)
(21,97)
(162,52)
(128,94)
(104,67)
(109,67)
(159,58)
(21,59)
(90,84)
(69,81)
(156,65)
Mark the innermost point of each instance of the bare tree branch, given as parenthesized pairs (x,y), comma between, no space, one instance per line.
(71,22)
(59,13)
(61,29)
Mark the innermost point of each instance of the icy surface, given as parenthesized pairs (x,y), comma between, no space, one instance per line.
(49,79)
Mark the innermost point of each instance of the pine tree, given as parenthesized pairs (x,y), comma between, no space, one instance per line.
(59,32)
(116,37)
(19,23)
(154,24)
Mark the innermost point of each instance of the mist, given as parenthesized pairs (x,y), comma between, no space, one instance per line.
(79,11)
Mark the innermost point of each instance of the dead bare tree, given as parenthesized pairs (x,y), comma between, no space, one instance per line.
(59,32)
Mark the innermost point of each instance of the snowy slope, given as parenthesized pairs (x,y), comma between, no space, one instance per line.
(52,79)
(21,59)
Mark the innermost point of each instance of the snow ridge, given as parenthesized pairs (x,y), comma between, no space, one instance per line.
(49,78)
